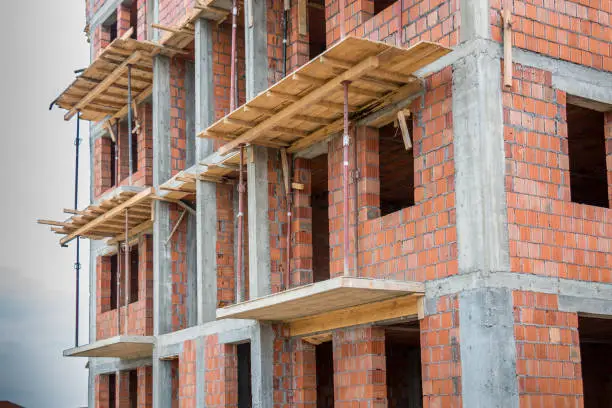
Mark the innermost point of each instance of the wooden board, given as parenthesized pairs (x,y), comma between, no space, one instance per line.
(396,308)
(106,219)
(124,347)
(307,106)
(101,91)
(321,297)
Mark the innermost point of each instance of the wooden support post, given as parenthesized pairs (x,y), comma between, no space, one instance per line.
(507,21)
(401,118)
(176,226)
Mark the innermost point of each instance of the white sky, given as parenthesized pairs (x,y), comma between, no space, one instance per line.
(42,42)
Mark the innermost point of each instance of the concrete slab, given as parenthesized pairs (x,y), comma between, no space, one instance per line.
(125,347)
(321,297)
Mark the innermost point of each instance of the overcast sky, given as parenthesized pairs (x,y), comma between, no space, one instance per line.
(42,43)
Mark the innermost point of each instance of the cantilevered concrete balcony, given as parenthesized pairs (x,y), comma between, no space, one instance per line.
(125,347)
(331,304)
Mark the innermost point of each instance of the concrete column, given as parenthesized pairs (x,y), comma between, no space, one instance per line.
(162,383)
(259,224)
(190,151)
(257,159)
(486,321)
(474,20)
(162,263)
(262,372)
(206,192)
(162,266)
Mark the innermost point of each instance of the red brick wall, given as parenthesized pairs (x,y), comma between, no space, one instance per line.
(548,352)
(178,250)
(221,374)
(577,31)
(122,397)
(143,176)
(140,313)
(420,242)
(360,367)
(402,23)
(187,375)
(608,135)
(440,356)
(277,215)
(172,12)
(301,225)
(549,235)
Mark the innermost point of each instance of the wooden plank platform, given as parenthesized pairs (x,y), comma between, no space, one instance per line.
(101,91)
(307,106)
(106,219)
(319,298)
(125,347)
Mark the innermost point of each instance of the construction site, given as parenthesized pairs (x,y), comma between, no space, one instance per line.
(346,203)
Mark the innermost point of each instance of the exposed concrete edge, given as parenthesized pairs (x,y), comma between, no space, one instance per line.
(207,329)
(103,13)
(488,348)
(572,78)
(110,365)
(567,288)
(169,351)
(237,336)
(586,305)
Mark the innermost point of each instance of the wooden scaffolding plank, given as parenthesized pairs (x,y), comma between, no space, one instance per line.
(104,84)
(108,215)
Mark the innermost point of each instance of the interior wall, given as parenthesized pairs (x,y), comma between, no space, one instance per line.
(325,375)
(320,218)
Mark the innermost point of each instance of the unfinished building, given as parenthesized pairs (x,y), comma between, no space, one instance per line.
(310,203)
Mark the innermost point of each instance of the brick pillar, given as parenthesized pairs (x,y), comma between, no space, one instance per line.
(123,389)
(365,140)
(145,284)
(123,19)
(301,226)
(103,277)
(141,10)
(187,375)
(102,165)
(441,364)
(101,38)
(102,391)
(608,136)
(145,387)
(548,361)
(178,249)
(226,278)
(221,374)
(277,210)
(368,185)
(360,368)
(178,142)
(304,375)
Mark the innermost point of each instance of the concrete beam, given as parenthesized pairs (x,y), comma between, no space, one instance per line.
(206,192)
(517,281)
